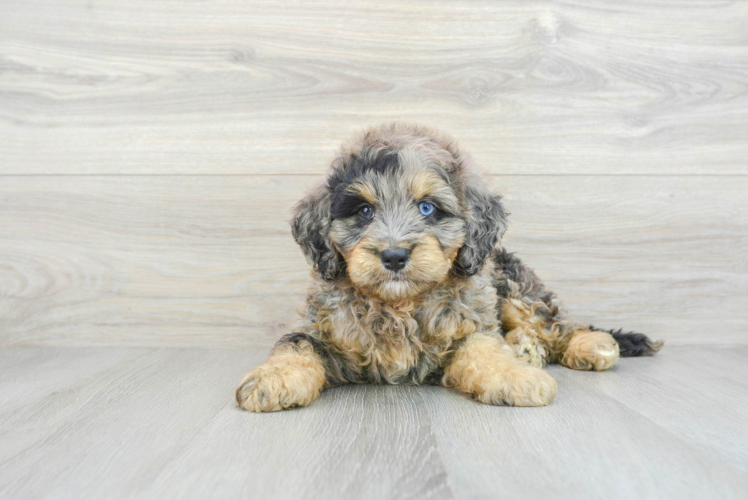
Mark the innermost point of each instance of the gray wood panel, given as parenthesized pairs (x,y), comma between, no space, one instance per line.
(598,443)
(209,260)
(114,431)
(29,375)
(264,86)
(161,423)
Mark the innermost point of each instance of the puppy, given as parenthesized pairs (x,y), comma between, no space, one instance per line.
(411,286)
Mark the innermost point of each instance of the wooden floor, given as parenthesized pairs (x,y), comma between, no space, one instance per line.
(160,423)
(151,153)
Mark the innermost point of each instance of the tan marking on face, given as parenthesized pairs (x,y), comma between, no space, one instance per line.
(364,265)
(428,263)
(427,266)
(364,190)
(424,184)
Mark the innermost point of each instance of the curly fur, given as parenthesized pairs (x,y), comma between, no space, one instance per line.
(462,312)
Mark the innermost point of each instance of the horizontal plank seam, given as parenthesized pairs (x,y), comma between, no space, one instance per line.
(323,173)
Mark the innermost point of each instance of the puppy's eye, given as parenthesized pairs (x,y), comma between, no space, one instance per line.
(426,208)
(366,211)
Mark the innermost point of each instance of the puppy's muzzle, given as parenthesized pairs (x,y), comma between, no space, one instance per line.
(395,259)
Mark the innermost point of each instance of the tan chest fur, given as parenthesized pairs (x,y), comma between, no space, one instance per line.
(403,341)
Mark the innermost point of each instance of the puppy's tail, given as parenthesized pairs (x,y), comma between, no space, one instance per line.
(633,344)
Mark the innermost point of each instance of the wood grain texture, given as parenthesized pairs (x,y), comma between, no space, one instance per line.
(161,423)
(150,153)
(595,441)
(122,87)
(30,375)
(122,425)
(209,260)
(361,442)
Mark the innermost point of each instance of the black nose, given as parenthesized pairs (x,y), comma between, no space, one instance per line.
(394,259)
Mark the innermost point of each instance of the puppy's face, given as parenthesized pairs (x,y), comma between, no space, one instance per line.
(395,221)
(399,213)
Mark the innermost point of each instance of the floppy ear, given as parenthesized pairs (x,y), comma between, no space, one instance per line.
(486,223)
(310,228)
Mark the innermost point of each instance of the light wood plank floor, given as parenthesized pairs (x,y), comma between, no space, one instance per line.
(161,423)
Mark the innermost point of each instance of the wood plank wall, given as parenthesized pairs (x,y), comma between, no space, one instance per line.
(151,151)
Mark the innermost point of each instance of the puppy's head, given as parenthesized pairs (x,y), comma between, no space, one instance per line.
(399,212)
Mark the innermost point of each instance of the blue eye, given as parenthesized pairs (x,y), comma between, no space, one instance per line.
(426,208)
(366,212)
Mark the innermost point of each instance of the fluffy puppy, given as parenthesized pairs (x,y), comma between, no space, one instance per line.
(411,285)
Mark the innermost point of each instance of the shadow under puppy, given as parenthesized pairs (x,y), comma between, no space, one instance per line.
(411,286)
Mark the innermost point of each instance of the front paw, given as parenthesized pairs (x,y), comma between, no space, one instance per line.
(273,388)
(519,385)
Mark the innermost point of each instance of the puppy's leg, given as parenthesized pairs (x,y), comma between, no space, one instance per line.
(590,350)
(294,375)
(539,338)
(537,324)
(528,345)
(487,368)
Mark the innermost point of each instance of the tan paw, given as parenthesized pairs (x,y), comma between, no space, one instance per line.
(276,386)
(518,385)
(527,347)
(591,350)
